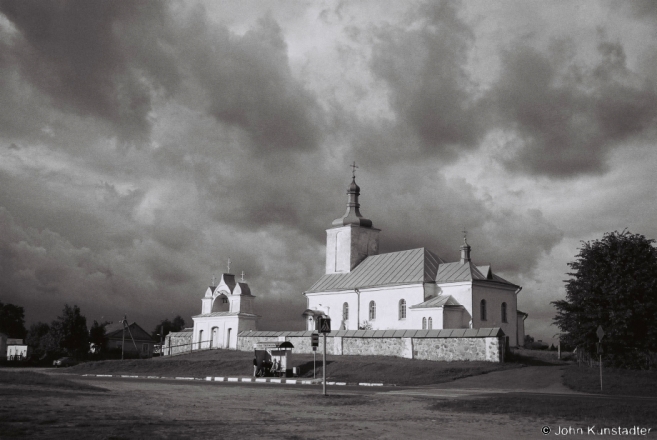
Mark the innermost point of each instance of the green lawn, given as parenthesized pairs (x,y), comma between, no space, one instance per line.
(547,409)
(614,381)
(382,369)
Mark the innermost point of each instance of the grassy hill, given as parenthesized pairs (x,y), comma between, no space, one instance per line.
(383,369)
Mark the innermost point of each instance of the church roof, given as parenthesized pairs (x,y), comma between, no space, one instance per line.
(404,267)
(455,272)
(438,301)
(213,314)
(438,333)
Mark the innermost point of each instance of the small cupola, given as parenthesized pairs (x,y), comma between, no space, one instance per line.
(353,216)
(465,251)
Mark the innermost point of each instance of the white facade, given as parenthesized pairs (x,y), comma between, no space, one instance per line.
(405,290)
(227,309)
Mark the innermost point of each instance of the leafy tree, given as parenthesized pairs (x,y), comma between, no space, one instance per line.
(70,331)
(176,325)
(528,341)
(613,284)
(36,339)
(12,321)
(98,336)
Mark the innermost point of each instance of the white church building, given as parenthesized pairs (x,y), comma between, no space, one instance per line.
(226,310)
(412,289)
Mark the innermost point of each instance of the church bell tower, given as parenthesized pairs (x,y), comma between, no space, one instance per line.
(351,238)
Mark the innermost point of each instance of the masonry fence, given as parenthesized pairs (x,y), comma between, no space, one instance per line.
(484,344)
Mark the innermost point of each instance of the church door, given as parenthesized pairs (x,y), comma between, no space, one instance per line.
(213,339)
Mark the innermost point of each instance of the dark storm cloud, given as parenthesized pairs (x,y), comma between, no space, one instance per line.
(569,116)
(248,84)
(430,91)
(97,58)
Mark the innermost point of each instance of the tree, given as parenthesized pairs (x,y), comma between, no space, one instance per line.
(176,325)
(70,331)
(36,339)
(12,321)
(528,341)
(97,335)
(613,285)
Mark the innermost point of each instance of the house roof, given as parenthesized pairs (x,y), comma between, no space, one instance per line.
(404,267)
(115,330)
(438,301)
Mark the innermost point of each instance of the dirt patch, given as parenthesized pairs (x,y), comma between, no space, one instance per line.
(156,410)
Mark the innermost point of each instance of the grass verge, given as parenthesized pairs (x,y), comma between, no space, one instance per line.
(380,369)
(548,409)
(43,380)
(615,382)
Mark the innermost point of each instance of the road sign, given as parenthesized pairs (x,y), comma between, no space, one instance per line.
(325,325)
(314,339)
(600,332)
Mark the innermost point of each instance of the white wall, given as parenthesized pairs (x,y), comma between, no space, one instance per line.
(435,313)
(387,306)
(494,298)
(235,323)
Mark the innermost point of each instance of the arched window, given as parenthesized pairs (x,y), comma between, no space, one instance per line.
(372,310)
(402,309)
(504,312)
(345,312)
(200,339)
(430,323)
(483,309)
(424,323)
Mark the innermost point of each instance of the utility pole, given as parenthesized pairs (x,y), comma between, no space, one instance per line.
(324,366)
(123,343)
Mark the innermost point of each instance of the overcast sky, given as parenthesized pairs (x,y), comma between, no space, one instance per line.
(142,144)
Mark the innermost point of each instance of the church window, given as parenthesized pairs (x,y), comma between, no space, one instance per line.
(430,323)
(424,323)
(482,308)
(504,312)
(200,339)
(345,312)
(372,310)
(402,309)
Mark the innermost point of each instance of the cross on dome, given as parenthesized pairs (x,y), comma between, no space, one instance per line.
(353,170)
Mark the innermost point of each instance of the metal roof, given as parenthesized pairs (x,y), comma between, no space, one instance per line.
(438,333)
(438,301)
(213,314)
(453,272)
(404,267)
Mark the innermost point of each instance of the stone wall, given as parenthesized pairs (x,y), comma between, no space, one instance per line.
(177,343)
(436,345)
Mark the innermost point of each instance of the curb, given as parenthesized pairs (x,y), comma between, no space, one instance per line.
(276,380)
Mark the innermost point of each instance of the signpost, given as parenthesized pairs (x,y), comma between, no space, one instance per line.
(600,334)
(314,339)
(324,327)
